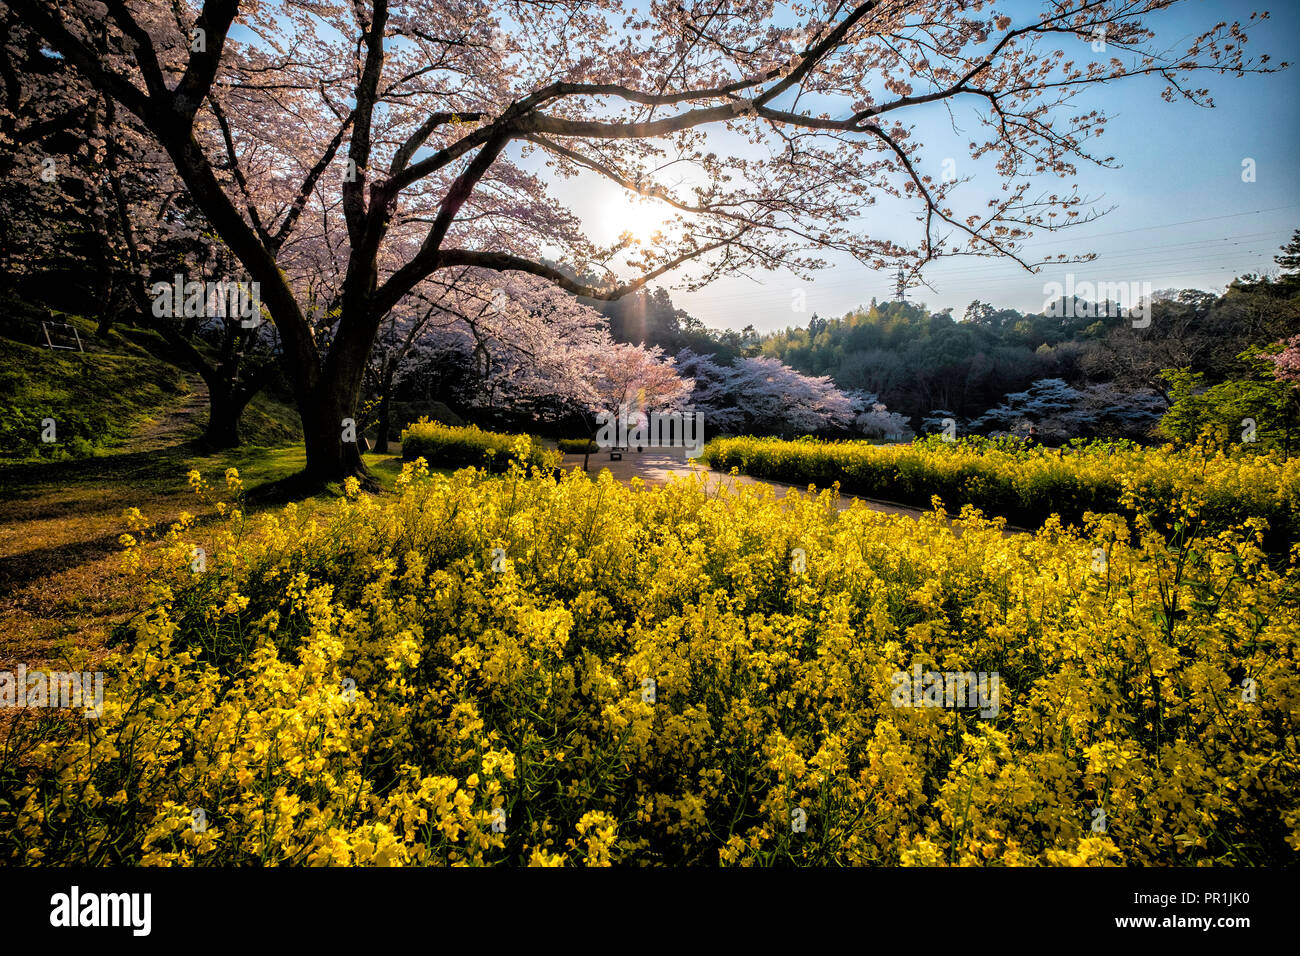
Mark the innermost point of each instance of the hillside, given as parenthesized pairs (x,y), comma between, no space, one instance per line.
(100,398)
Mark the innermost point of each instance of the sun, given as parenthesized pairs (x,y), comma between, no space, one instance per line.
(643,217)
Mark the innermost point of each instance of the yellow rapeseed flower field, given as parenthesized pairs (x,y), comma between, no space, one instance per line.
(520,670)
(1026,484)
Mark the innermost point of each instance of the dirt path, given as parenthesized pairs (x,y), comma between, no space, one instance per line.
(175,424)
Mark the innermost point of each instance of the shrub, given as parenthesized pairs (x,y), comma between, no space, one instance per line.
(1027,484)
(452,446)
(577,446)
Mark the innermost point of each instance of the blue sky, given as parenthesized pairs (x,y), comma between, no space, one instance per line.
(1183,217)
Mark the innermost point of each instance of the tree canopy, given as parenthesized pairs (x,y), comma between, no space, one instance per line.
(345,153)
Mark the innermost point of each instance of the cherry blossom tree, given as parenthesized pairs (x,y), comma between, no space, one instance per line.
(1051,410)
(627,383)
(528,344)
(632,380)
(106,210)
(765,395)
(772,397)
(1286,363)
(541,348)
(151,235)
(51,166)
(521,343)
(715,392)
(398,346)
(399,139)
(877,421)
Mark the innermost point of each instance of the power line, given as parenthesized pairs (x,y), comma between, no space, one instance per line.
(1188,222)
(1118,254)
(1149,272)
(971,269)
(868,282)
(1154,263)
(1149,266)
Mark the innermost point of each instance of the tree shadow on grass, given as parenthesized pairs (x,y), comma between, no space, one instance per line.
(19,570)
(291,488)
(112,483)
(300,486)
(33,478)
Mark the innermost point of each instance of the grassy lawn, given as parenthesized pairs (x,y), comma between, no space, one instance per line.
(60,579)
(126,424)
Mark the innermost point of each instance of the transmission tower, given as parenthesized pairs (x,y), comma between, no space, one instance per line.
(900,286)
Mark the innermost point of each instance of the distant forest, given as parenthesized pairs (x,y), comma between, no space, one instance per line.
(921,363)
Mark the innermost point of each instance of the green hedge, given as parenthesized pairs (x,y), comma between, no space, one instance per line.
(1027,484)
(450,446)
(577,446)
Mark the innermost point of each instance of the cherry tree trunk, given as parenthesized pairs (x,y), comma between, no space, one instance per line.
(330,430)
(381,443)
(224,411)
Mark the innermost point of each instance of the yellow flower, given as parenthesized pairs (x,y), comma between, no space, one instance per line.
(351,683)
